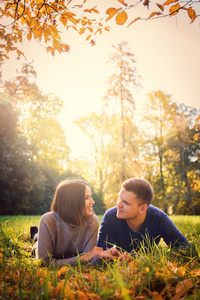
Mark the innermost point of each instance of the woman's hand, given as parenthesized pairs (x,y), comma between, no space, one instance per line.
(90,255)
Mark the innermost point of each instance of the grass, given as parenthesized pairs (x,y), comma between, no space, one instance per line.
(160,273)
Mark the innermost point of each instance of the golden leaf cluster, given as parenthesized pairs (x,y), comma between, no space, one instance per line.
(40,20)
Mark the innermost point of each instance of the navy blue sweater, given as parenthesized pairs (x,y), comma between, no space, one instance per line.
(157,224)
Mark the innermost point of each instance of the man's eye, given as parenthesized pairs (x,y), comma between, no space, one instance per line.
(126,202)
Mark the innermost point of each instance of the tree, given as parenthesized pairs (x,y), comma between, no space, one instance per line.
(37,117)
(184,144)
(21,182)
(104,132)
(94,128)
(171,153)
(45,20)
(157,114)
(121,86)
(33,151)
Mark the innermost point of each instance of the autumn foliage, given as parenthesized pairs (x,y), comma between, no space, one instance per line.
(159,274)
(45,21)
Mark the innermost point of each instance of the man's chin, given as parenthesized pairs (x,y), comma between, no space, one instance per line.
(119,215)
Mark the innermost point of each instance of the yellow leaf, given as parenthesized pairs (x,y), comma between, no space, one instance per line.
(56,44)
(46,36)
(106,28)
(180,272)
(42,9)
(121,18)
(95,10)
(49,10)
(112,13)
(63,20)
(122,2)
(174,9)
(73,21)
(63,271)
(192,14)
(22,20)
(88,37)
(49,49)
(29,35)
(68,292)
(109,10)
(56,35)
(160,6)
(82,30)
(37,33)
(20,10)
(6,56)
(134,21)
(195,272)
(169,2)
(81,296)
(154,14)
(65,47)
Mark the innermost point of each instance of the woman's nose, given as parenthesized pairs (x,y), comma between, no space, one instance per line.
(92,201)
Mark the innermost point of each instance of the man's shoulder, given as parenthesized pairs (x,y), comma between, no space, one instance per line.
(111,211)
(110,214)
(155,211)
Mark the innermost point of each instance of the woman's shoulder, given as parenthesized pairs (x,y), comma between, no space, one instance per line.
(50,216)
(96,219)
(93,222)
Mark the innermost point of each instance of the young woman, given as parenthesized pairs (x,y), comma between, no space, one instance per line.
(68,232)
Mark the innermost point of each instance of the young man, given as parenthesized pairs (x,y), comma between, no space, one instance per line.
(134,221)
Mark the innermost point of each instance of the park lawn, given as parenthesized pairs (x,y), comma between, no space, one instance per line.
(160,273)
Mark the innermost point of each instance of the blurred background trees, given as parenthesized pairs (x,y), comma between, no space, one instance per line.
(161,146)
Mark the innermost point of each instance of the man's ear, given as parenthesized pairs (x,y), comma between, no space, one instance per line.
(143,208)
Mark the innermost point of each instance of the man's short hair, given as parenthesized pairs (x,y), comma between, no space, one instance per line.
(141,188)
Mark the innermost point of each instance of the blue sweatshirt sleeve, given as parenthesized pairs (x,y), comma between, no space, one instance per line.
(171,235)
(106,238)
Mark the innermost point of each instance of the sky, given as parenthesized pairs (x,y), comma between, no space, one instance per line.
(167,56)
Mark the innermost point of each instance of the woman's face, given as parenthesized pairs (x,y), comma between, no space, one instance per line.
(88,202)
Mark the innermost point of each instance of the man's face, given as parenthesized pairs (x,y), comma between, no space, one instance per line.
(128,205)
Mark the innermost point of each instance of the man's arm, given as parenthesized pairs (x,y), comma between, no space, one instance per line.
(106,238)
(171,235)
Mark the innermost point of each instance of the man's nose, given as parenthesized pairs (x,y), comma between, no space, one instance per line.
(119,202)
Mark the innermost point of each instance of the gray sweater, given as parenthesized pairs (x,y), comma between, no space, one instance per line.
(62,243)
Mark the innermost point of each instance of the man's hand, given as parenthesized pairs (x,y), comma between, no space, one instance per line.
(110,253)
(113,253)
